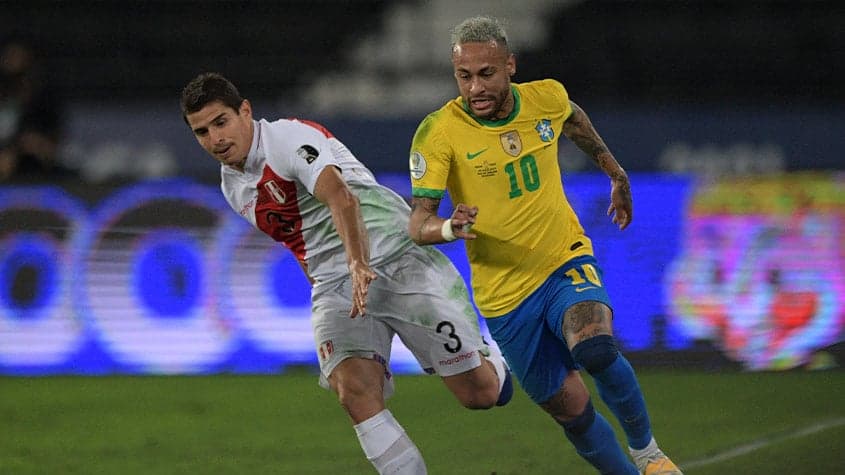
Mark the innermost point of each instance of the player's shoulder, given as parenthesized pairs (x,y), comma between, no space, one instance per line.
(546,96)
(431,124)
(541,86)
(285,133)
(294,125)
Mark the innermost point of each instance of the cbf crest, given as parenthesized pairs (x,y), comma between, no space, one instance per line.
(511,143)
(544,130)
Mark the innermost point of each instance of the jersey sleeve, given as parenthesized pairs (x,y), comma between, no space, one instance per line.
(430,160)
(563,98)
(300,152)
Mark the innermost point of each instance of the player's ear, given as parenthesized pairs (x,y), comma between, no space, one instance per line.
(246,109)
(511,64)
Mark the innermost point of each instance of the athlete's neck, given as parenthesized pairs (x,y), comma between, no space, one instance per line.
(507,107)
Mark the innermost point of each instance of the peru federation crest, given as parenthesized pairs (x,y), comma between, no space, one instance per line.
(511,143)
(544,130)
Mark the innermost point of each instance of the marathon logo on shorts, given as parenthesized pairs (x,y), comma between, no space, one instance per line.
(456,359)
(307,153)
(325,350)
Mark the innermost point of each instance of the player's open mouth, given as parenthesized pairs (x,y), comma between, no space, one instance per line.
(481,103)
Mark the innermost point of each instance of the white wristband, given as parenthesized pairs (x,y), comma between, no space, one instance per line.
(446,231)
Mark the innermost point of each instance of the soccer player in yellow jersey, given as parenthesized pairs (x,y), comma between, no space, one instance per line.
(495,149)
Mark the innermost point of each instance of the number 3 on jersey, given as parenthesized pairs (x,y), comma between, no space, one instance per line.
(586,273)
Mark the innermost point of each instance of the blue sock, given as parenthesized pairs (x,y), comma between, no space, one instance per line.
(618,388)
(617,385)
(595,441)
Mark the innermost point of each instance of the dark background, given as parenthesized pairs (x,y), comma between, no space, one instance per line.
(729,82)
(621,52)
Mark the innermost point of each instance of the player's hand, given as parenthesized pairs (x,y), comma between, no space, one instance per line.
(462,220)
(621,204)
(361,275)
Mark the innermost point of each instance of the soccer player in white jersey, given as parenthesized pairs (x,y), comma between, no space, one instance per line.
(296,182)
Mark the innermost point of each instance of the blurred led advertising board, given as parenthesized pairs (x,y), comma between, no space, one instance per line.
(162,277)
(762,268)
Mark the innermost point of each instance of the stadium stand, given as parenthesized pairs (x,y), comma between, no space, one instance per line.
(143,50)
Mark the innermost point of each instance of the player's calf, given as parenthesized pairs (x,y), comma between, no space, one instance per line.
(595,442)
(617,385)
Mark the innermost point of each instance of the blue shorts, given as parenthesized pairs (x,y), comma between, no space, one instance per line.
(531,335)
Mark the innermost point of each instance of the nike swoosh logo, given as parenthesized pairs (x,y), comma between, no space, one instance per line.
(585,288)
(471,156)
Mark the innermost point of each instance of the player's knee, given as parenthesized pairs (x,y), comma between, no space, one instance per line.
(479,396)
(596,354)
(360,405)
(580,423)
(358,398)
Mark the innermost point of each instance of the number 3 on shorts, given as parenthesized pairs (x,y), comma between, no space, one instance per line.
(451,335)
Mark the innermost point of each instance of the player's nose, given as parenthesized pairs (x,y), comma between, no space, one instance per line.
(476,85)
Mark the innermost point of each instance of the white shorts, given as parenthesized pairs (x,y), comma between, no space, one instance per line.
(421,297)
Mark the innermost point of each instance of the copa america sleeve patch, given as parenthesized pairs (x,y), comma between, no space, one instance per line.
(307,153)
(418,165)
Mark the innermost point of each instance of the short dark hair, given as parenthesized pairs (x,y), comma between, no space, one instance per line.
(207,88)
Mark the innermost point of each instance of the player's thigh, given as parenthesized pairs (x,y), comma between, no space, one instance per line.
(424,299)
(579,305)
(537,356)
(442,345)
(338,337)
(357,376)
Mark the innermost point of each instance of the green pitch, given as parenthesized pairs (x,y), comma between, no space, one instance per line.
(712,423)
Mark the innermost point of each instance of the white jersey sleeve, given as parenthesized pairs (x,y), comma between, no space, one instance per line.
(298,151)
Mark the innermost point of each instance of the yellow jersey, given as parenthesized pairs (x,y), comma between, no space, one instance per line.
(508,168)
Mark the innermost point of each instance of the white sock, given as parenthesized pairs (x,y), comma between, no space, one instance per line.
(388,447)
(499,364)
(645,451)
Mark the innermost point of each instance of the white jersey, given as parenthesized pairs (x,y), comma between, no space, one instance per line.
(275,194)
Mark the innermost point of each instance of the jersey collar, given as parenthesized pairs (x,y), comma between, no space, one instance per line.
(517,102)
(252,156)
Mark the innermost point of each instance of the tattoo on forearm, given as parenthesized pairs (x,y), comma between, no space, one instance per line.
(587,139)
(581,132)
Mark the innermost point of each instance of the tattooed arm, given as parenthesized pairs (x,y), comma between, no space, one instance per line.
(581,132)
